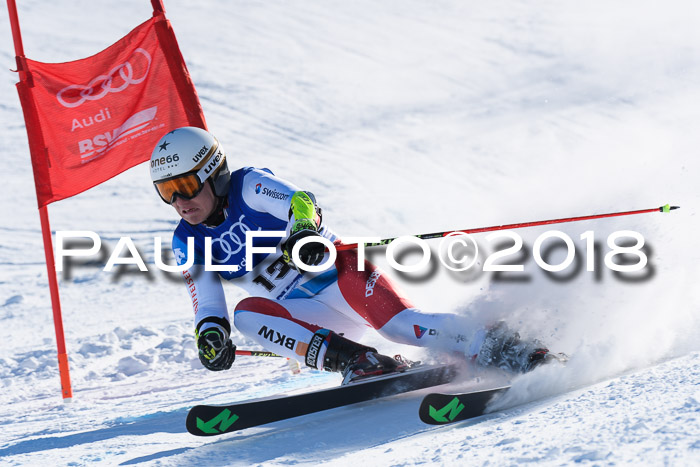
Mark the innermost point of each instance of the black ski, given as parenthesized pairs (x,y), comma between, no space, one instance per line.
(210,420)
(441,409)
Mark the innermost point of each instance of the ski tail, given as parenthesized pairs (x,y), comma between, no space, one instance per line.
(442,409)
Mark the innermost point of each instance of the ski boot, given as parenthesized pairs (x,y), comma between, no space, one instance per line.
(371,363)
(355,361)
(504,349)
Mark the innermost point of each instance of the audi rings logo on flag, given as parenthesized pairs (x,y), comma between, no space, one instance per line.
(74,95)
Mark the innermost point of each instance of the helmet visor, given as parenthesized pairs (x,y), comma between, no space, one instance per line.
(187,186)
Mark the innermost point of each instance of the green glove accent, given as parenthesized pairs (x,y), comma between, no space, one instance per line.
(216,351)
(303,224)
(303,207)
(307,220)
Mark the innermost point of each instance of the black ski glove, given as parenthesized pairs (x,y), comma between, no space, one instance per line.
(310,254)
(216,351)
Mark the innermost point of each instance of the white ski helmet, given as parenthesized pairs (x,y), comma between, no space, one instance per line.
(184,159)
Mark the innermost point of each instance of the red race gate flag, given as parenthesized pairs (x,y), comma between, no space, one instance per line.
(91,119)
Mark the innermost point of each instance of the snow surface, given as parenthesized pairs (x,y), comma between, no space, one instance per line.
(402,117)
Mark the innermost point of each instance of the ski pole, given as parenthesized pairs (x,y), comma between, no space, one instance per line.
(293,365)
(386,241)
(256,353)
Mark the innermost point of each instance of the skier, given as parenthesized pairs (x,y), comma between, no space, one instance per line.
(314,317)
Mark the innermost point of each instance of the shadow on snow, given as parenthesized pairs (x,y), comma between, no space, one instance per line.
(160,422)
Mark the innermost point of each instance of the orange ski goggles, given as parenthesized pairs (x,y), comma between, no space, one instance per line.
(186,186)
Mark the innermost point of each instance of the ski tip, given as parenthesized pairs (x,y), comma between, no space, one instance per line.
(668,208)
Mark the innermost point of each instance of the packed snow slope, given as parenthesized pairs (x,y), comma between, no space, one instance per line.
(403,117)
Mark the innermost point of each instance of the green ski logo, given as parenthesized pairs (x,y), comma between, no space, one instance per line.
(224,418)
(454,408)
